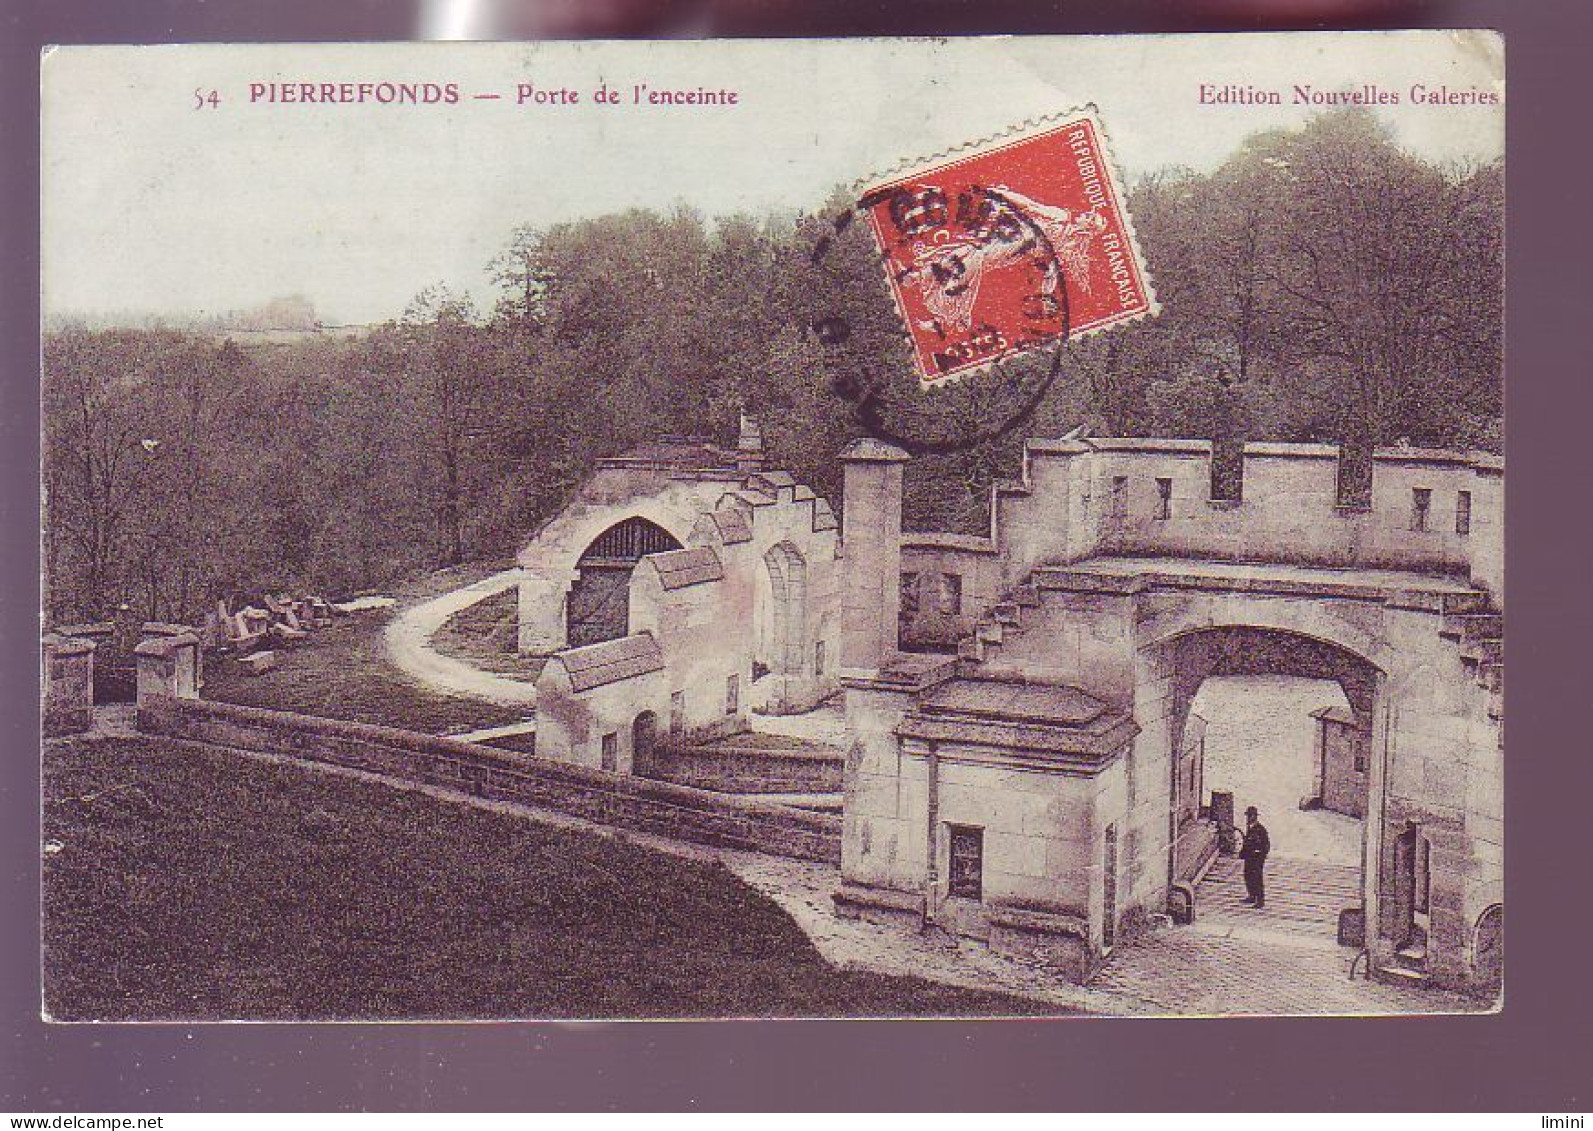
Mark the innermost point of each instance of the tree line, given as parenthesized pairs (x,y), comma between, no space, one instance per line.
(1322,284)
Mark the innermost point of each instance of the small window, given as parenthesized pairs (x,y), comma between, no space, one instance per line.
(818,657)
(1424,875)
(677,714)
(967,861)
(611,752)
(1421,507)
(1228,471)
(1355,476)
(950,594)
(732,695)
(1119,496)
(1360,761)
(1164,499)
(1463,513)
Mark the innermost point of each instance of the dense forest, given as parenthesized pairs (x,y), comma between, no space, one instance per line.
(1322,284)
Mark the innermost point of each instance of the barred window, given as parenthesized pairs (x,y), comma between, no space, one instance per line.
(966,874)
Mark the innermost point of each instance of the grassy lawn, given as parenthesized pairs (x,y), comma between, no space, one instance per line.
(185,884)
(342,671)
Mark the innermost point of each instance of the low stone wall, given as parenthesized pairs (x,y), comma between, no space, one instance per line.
(610,799)
(731,768)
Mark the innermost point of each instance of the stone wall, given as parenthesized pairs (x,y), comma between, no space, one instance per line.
(927,561)
(729,768)
(701,630)
(482,771)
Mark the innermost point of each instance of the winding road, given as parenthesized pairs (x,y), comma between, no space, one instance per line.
(409,644)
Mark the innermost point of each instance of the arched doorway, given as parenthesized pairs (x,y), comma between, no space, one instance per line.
(1283,721)
(784,625)
(598,606)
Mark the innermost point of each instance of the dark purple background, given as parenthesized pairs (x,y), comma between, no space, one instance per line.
(1525,1059)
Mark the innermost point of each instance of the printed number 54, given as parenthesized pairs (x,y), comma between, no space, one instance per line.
(201,99)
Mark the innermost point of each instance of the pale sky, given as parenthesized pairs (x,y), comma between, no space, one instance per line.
(151,205)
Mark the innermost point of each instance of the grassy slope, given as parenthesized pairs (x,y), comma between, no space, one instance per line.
(199,885)
(343,672)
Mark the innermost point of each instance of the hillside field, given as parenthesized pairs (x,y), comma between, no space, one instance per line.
(188,883)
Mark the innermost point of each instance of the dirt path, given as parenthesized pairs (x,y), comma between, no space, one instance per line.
(802,889)
(409,644)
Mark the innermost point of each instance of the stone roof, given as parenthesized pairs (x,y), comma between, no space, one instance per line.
(935,540)
(733,525)
(869,450)
(609,661)
(1035,721)
(1336,714)
(1025,702)
(681,453)
(680,568)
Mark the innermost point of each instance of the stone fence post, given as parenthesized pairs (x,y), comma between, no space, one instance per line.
(159,628)
(68,683)
(168,666)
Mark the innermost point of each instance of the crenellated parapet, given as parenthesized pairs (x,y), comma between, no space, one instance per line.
(1422,509)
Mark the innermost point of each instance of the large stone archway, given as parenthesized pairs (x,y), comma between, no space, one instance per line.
(1181,665)
(598,605)
(1187,638)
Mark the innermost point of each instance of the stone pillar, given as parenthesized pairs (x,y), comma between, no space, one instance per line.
(872,531)
(68,684)
(541,614)
(750,455)
(168,667)
(166,628)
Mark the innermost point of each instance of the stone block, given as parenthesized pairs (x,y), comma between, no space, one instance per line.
(257,663)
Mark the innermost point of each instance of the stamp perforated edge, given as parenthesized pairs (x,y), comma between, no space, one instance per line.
(1033,126)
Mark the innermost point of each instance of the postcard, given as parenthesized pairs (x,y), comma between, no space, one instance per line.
(756,529)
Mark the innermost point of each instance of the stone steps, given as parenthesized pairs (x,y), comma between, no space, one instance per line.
(1304,897)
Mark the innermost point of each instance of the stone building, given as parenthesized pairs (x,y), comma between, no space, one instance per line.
(685,586)
(1041,785)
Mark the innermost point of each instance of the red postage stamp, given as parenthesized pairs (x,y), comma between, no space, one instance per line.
(1009,247)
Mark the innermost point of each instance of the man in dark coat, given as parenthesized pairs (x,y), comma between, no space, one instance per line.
(1254,853)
